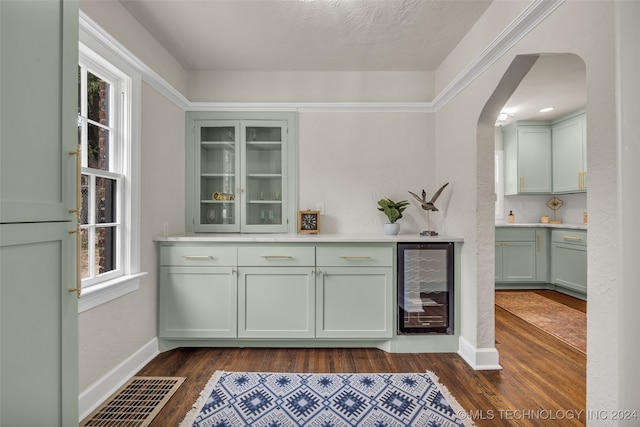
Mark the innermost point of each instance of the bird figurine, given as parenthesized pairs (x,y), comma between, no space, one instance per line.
(428,206)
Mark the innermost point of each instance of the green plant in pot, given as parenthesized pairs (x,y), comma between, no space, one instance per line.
(393,211)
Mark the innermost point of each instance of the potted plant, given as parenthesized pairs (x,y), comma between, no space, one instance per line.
(393,211)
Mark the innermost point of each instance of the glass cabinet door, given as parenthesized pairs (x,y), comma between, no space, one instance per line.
(238,178)
(264,176)
(219,161)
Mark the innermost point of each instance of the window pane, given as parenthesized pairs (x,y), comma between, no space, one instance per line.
(98,99)
(84,253)
(84,203)
(98,147)
(105,249)
(105,200)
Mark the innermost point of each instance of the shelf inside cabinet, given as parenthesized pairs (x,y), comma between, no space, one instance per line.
(213,145)
(264,175)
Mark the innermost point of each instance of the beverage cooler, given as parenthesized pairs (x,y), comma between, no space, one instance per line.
(425,288)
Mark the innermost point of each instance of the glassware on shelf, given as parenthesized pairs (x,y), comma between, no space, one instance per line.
(211,215)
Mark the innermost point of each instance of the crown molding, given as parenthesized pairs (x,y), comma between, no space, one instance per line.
(535,13)
(91,33)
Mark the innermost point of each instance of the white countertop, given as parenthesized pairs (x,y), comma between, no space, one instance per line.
(304,238)
(541,225)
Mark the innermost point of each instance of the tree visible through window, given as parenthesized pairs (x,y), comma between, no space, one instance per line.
(101,179)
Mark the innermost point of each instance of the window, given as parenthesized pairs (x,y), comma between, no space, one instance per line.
(109,217)
(102,175)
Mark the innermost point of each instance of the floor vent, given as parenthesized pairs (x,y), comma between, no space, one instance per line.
(135,404)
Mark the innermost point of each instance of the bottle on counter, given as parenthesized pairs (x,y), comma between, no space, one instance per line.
(511,218)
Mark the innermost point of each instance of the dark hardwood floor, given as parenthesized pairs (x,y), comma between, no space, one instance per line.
(542,383)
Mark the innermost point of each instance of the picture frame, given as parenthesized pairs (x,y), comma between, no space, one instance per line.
(309,222)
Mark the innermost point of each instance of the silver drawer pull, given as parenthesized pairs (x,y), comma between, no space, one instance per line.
(276,256)
(197,257)
(348,257)
(571,238)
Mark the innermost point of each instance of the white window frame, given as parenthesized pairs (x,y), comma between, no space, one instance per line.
(109,286)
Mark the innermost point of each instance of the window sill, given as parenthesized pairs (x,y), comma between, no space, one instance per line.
(108,291)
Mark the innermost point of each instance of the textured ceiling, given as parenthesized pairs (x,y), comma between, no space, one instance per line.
(308,35)
(557,81)
(344,35)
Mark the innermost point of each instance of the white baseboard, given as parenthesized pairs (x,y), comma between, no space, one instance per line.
(99,391)
(480,359)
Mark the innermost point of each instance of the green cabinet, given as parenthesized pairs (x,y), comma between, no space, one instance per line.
(197,302)
(197,292)
(276,291)
(276,302)
(354,292)
(240,172)
(38,325)
(569,138)
(39,110)
(527,157)
(569,260)
(38,314)
(521,255)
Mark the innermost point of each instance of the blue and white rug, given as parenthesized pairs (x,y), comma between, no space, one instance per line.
(324,400)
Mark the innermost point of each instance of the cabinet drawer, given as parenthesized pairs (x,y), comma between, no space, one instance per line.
(198,256)
(276,256)
(354,256)
(576,237)
(515,234)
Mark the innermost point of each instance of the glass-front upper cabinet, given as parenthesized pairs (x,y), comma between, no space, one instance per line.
(240,178)
(219,160)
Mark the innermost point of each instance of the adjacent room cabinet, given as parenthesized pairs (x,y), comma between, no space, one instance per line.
(521,255)
(541,258)
(569,139)
(527,154)
(569,260)
(240,172)
(546,157)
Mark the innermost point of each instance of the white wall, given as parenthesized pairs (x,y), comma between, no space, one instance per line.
(628,16)
(349,161)
(529,208)
(112,332)
(591,36)
(347,86)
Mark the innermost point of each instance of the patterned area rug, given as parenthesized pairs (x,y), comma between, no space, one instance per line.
(565,323)
(324,400)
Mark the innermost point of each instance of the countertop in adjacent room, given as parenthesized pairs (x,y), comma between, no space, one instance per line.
(541,225)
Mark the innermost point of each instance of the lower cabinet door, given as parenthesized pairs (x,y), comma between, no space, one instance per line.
(198,302)
(354,302)
(518,262)
(38,325)
(569,266)
(276,302)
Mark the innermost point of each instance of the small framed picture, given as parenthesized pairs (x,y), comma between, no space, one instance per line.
(308,222)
